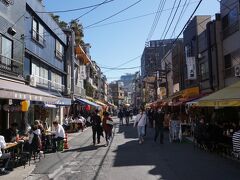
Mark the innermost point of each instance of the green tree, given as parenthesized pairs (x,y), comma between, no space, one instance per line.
(75,25)
(78,29)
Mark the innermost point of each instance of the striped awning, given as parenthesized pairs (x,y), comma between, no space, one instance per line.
(18,90)
(226,97)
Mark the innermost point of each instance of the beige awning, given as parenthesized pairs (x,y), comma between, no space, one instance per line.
(17,90)
(226,97)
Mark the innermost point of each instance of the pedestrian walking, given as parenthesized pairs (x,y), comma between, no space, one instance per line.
(159,128)
(140,122)
(96,126)
(120,116)
(127,115)
(107,126)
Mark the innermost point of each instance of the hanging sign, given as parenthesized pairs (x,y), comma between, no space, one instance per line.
(191,68)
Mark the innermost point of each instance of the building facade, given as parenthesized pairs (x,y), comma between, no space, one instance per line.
(231,36)
(117,93)
(45,60)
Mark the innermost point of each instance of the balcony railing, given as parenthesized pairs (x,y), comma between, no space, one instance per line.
(79,91)
(9,65)
(45,83)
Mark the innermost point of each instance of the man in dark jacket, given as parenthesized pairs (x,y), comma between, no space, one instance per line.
(96,126)
(159,128)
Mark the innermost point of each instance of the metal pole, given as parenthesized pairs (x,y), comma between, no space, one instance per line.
(166,71)
(72,63)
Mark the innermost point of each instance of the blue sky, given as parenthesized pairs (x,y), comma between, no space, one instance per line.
(117,43)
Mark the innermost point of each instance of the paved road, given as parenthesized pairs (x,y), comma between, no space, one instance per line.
(125,159)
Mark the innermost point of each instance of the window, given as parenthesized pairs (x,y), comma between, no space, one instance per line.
(6,51)
(37,31)
(41,74)
(204,71)
(35,72)
(227,61)
(230,22)
(56,81)
(26,66)
(59,50)
(44,76)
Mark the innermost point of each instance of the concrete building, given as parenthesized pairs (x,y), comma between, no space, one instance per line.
(210,57)
(12,18)
(150,64)
(231,36)
(45,60)
(128,80)
(117,92)
(191,48)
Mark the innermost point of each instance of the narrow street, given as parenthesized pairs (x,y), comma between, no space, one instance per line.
(126,159)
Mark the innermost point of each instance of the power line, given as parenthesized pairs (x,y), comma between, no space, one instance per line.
(180,16)
(136,17)
(170,15)
(90,10)
(124,63)
(156,19)
(128,19)
(120,68)
(76,9)
(199,3)
(113,14)
(172,19)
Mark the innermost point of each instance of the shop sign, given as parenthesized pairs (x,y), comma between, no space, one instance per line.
(11,108)
(190,92)
(163,92)
(191,68)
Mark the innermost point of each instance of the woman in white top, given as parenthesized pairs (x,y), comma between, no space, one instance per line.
(140,122)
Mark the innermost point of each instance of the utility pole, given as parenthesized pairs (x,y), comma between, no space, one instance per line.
(72,62)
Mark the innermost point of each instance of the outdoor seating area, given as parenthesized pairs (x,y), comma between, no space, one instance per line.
(21,150)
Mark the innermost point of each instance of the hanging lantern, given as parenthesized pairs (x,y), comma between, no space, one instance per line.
(25,106)
(87,107)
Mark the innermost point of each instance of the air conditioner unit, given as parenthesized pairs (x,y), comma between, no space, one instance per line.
(32,80)
(237,70)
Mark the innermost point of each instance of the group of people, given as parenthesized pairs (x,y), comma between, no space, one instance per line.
(126,113)
(101,125)
(32,140)
(78,119)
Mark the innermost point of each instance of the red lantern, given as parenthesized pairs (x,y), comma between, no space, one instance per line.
(87,107)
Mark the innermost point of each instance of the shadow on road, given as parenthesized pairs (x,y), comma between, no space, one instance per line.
(173,161)
(86,148)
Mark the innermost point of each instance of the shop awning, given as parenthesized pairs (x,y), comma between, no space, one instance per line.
(81,54)
(63,102)
(85,101)
(17,90)
(100,103)
(226,97)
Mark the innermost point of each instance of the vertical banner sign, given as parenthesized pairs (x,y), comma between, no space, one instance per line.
(191,68)
(191,65)
(83,74)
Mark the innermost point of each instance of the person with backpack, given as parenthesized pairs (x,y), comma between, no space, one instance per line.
(96,126)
